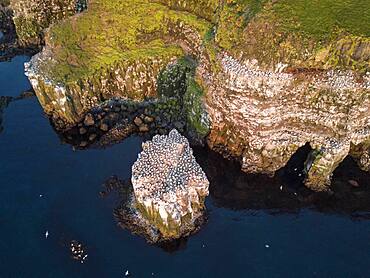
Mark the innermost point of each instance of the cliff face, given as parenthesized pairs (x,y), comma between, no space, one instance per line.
(33,16)
(263,117)
(272,76)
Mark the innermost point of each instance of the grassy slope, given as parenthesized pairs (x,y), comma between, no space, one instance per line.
(286,30)
(110,32)
(128,30)
(207,9)
(319,18)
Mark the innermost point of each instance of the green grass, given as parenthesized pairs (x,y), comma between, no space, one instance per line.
(295,31)
(123,31)
(111,32)
(320,18)
(207,9)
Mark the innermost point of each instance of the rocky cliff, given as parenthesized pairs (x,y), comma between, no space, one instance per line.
(271,75)
(32,17)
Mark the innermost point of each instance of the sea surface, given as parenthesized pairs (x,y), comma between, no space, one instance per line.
(47,186)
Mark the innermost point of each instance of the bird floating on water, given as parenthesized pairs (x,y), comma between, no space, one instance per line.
(46,234)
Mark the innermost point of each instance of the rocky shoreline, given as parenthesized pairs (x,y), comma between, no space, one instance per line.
(256,111)
(118,119)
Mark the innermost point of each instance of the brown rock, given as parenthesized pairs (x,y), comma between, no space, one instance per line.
(104,127)
(82,130)
(83,144)
(89,120)
(171,194)
(143,128)
(138,121)
(92,137)
(148,119)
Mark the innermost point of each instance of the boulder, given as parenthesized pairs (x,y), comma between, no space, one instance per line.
(89,120)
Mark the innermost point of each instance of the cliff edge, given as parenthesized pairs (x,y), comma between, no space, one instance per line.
(271,76)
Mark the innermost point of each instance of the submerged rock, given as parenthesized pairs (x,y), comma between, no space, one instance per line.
(169,189)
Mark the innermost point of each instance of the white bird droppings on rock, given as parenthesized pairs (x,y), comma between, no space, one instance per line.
(169,185)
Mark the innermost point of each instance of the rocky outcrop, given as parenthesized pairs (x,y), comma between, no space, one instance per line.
(112,70)
(263,117)
(5,17)
(117,119)
(262,88)
(32,17)
(8,40)
(128,79)
(169,189)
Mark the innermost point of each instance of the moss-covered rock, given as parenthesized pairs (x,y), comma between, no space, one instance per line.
(90,58)
(196,114)
(172,81)
(297,32)
(207,9)
(33,16)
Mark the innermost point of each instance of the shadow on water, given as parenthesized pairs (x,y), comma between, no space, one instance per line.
(286,193)
(6,100)
(120,192)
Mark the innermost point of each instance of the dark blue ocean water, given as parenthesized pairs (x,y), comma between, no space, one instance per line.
(234,242)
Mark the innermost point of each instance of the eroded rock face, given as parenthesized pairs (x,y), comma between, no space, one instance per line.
(33,16)
(263,117)
(132,80)
(169,188)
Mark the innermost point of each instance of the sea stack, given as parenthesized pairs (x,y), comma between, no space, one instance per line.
(169,188)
